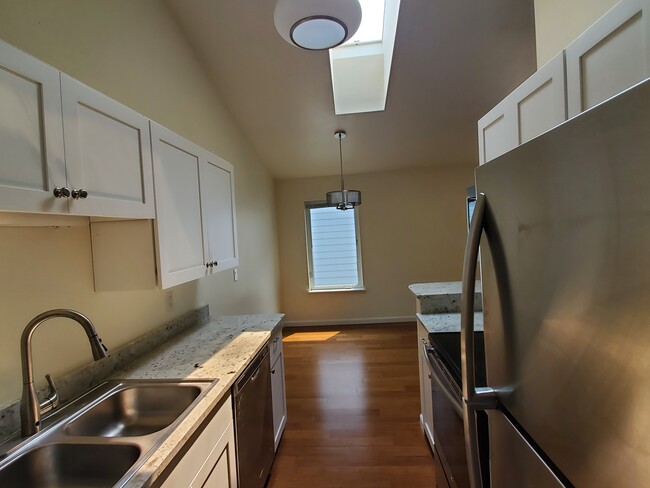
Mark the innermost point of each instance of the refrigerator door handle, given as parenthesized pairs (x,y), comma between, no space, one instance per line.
(439,378)
(474,399)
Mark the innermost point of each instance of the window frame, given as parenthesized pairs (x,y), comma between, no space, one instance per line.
(310,265)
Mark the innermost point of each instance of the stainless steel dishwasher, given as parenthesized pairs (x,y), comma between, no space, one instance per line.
(254,422)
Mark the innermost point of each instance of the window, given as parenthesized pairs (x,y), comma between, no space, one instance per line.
(333,248)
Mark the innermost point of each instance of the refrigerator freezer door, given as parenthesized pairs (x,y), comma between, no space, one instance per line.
(566,290)
(524,468)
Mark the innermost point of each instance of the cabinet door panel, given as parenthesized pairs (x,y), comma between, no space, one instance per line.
(541,100)
(496,132)
(609,57)
(178,208)
(107,154)
(218,206)
(31,134)
(279,399)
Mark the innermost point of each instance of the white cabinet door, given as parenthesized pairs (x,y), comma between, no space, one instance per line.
(279,398)
(535,106)
(540,101)
(426,398)
(218,207)
(107,154)
(210,462)
(31,134)
(178,207)
(497,132)
(609,57)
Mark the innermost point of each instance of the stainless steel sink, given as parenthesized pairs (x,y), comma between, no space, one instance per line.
(70,465)
(103,437)
(135,411)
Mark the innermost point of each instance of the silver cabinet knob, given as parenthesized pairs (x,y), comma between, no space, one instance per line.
(215,263)
(61,192)
(209,265)
(80,193)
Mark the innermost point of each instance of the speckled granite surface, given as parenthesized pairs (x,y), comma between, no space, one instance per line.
(442,297)
(81,380)
(219,350)
(447,322)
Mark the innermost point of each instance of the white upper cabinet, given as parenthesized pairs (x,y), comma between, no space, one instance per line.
(196,227)
(67,148)
(496,132)
(108,154)
(540,101)
(535,106)
(179,230)
(218,204)
(31,134)
(609,57)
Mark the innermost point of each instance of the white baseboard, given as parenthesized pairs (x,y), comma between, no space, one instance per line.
(369,320)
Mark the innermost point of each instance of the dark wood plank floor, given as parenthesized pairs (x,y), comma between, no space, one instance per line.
(353,406)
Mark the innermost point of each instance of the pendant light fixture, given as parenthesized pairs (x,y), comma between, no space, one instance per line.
(343,199)
(317,24)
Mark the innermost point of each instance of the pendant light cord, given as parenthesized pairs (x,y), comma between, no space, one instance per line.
(341,160)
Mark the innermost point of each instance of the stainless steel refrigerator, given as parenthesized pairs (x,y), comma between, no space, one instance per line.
(564,229)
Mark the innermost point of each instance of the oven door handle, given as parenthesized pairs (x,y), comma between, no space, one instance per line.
(439,377)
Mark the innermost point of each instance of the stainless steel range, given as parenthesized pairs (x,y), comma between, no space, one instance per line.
(444,358)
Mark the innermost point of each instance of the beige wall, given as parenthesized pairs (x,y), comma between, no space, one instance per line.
(133,52)
(558,22)
(412,230)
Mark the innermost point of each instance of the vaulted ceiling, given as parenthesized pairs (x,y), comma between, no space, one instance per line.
(453,61)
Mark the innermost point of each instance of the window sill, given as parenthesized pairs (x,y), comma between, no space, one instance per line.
(336,290)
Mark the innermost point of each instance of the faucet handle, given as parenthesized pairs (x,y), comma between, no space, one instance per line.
(52,399)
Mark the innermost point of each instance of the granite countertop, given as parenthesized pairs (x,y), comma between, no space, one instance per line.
(442,297)
(440,288)
(217,350)
(447,322)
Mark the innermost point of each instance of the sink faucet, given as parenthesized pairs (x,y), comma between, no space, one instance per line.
(30,409)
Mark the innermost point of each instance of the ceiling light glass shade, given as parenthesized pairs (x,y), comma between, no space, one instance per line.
(344,199)
(317,24)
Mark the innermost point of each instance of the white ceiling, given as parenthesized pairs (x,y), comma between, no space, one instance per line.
(453,61)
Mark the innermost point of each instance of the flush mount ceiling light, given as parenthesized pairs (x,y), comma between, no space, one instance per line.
(317,24)
(343,199)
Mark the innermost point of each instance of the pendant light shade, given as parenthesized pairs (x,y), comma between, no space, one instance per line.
(343,199)
(317,24)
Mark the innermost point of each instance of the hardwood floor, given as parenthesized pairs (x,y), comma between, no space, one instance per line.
(353,406)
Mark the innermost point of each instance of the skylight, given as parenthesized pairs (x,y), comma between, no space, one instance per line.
(361,67)
(372,23)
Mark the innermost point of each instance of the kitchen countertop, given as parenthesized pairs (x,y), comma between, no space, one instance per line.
(217,350)
(447,322)
(442,297)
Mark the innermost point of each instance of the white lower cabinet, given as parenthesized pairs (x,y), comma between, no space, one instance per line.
(278,391)
(426,399)
(210,462)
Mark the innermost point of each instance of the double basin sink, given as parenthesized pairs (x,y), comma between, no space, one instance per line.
(102,438)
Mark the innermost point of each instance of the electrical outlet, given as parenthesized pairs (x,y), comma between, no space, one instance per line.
(169,299)
(235,275)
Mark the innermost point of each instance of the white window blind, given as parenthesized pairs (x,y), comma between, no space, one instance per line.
(334,255)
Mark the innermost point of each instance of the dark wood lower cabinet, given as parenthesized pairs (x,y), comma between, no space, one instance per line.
(441,479)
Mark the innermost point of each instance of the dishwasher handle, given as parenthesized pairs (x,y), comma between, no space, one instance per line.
(251,373)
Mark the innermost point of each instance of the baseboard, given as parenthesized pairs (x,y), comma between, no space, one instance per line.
(372,320)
